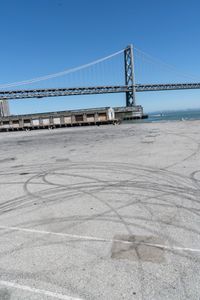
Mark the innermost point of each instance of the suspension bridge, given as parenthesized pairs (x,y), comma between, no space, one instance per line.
(129,86)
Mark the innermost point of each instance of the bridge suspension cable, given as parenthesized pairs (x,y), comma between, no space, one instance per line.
(158,66)
(59,74)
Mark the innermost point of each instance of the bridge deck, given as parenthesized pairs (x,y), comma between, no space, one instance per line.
(41,93)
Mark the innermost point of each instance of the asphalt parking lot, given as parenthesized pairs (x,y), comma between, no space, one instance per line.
(109,212)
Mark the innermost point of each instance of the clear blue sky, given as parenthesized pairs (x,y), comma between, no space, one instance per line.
(39,37)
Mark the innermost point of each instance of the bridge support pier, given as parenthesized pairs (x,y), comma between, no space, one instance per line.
(129,75)
(4,108)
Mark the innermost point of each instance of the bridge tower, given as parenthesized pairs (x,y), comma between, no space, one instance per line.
(129,75)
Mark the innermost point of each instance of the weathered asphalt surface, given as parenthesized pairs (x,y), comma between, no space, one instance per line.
(109,212)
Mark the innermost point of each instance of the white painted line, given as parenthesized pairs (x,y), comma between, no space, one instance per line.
(36,291)
(97,239)
(171,248)
(61,234)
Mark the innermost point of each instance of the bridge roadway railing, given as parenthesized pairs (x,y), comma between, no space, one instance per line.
(41,93)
